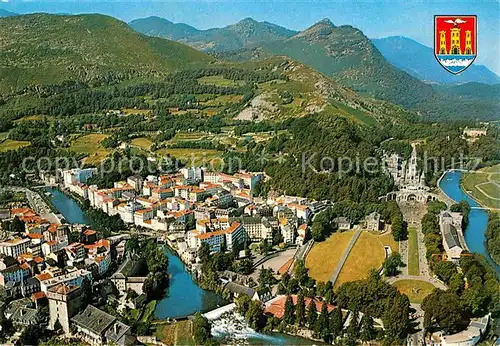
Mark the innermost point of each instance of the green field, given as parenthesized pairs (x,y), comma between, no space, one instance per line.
(220,81)
(413,258)
(368,253)
(178,333)
(416,290)
(10,144)
(142,142)
(195,157)
(484,186)
(90,146)
(324,256)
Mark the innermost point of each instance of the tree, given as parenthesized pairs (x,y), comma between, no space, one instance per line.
(87,295)
(311,314)
(266,278)
(17,226)
(475,300)
(245,266)
(444,270)
(399,228)
(396,318)
(335,324)
(392,263)
(300,309)
(265,247)
(457,283)
(277,237)
(204,253)
(201,329)
(435,207)
(255,315)
(57,325)
(367,330)
(132,245)
(442,311)
(242,303)
(321,325)
(353,329)
(300,272)
(288,315)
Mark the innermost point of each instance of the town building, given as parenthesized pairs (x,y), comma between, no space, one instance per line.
(97,327)
(373,222)
(450,224)
(64,302)
(15,247)
(128,277)
(342,223)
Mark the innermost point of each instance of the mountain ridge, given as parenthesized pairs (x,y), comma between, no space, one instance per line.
(419,61)
(5,13)
(246,32)
(87,48)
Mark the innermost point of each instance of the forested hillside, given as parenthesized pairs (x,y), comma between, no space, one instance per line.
(49,49)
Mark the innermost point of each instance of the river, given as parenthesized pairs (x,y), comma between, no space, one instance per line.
(67,206)
(478,218)
(184,296)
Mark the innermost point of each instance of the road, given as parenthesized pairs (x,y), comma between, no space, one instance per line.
(341,263)
(403,250)
(417,339)
(428,279)
(37,203)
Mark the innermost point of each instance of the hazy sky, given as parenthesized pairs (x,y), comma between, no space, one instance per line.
(376,18)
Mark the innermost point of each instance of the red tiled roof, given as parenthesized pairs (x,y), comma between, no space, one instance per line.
(277,307)
(38,295)
(43,276)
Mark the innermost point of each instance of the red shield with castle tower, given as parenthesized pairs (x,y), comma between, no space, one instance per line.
(455,41)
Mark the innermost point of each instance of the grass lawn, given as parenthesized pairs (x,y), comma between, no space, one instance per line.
(387,239)
(220,81)
(368,253)
(491,188)
(148,310)
(483,180)
(415,290)
(89,145)
(142,142)
(413,260)
(194,157)
(179,333)
(10,144)
(324,256)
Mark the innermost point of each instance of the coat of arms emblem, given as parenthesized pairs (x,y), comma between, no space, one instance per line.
(455,41)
